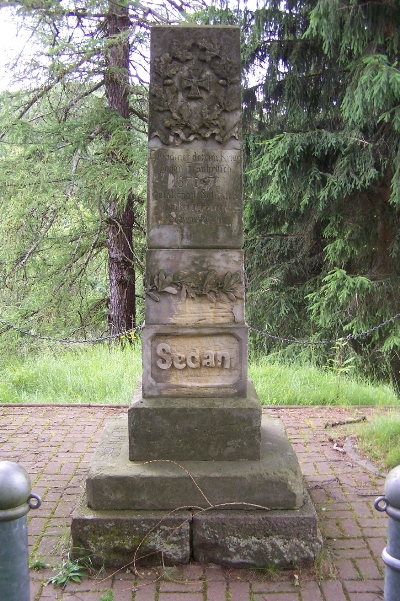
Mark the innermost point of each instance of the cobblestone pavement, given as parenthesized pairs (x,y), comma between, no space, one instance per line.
(55,444)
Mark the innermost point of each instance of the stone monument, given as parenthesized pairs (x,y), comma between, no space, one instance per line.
(196,472)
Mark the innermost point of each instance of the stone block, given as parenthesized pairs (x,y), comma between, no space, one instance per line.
(114,482)
(195,429)
(195,197)
(248,539)
(194,362)
(194,287)
(116,538)
(240,539)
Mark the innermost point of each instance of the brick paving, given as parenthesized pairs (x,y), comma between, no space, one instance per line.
(55,445)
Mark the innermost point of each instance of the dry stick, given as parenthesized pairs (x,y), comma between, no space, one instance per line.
(185,507)
(345,422)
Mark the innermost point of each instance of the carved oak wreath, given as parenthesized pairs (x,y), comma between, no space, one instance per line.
(227,287)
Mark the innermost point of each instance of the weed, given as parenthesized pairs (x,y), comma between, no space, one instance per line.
(70,570)
(324,566)
(272,570)
(108,596)
(37,563)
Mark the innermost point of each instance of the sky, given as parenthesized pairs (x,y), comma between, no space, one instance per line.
(11,42)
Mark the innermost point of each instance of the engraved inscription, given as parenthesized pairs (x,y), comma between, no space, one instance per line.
(195,187)
(194,359)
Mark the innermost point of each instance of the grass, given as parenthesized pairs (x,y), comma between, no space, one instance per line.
(102,374)
(99,374)
(295,384)
(380,440)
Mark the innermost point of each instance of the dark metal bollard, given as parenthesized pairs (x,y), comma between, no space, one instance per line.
(391,554)
(15,501)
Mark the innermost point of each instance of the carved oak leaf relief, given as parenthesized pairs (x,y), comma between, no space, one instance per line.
(194,94)
(224,288)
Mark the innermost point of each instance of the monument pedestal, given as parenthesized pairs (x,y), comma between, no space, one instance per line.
(249,513)
(195,429)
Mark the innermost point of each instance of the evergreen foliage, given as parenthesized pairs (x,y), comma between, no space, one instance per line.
(322,132)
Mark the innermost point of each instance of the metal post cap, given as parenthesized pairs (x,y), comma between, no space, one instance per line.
(392,487)
(15,485)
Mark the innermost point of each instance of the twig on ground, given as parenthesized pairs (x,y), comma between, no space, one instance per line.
(345,422)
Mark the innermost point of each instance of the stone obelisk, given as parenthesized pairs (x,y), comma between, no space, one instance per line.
(195,437)
(194,402)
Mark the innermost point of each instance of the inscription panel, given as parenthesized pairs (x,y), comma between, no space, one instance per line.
(195,198)
(194,363)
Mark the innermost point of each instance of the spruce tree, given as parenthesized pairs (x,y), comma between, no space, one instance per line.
(322,125)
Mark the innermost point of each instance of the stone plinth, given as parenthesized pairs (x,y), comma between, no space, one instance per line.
(248,539)
(195,429)
(238,513)
(111,538)
(114,482)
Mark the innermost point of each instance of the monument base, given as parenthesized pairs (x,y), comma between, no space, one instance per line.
(237,538)
(238,513)
(115,483)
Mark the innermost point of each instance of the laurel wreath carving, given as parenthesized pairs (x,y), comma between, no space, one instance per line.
(227,287)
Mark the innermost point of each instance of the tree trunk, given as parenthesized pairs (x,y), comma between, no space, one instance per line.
(122,307)
(120,268)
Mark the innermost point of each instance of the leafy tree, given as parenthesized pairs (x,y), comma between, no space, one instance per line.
(72,159)
(322,126)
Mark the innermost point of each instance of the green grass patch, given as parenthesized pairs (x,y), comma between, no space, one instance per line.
(296,384)
(100,374)
(380,440)
(103,374)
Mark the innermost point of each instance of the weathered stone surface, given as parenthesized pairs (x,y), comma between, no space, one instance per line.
(114,482)
(251,538)
(195,84)
(194,362)
(117,538)
(195,197)
(247,539)
(195,162)
(196,429)
(194,287)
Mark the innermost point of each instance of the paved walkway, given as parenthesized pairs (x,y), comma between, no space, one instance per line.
(55,444)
